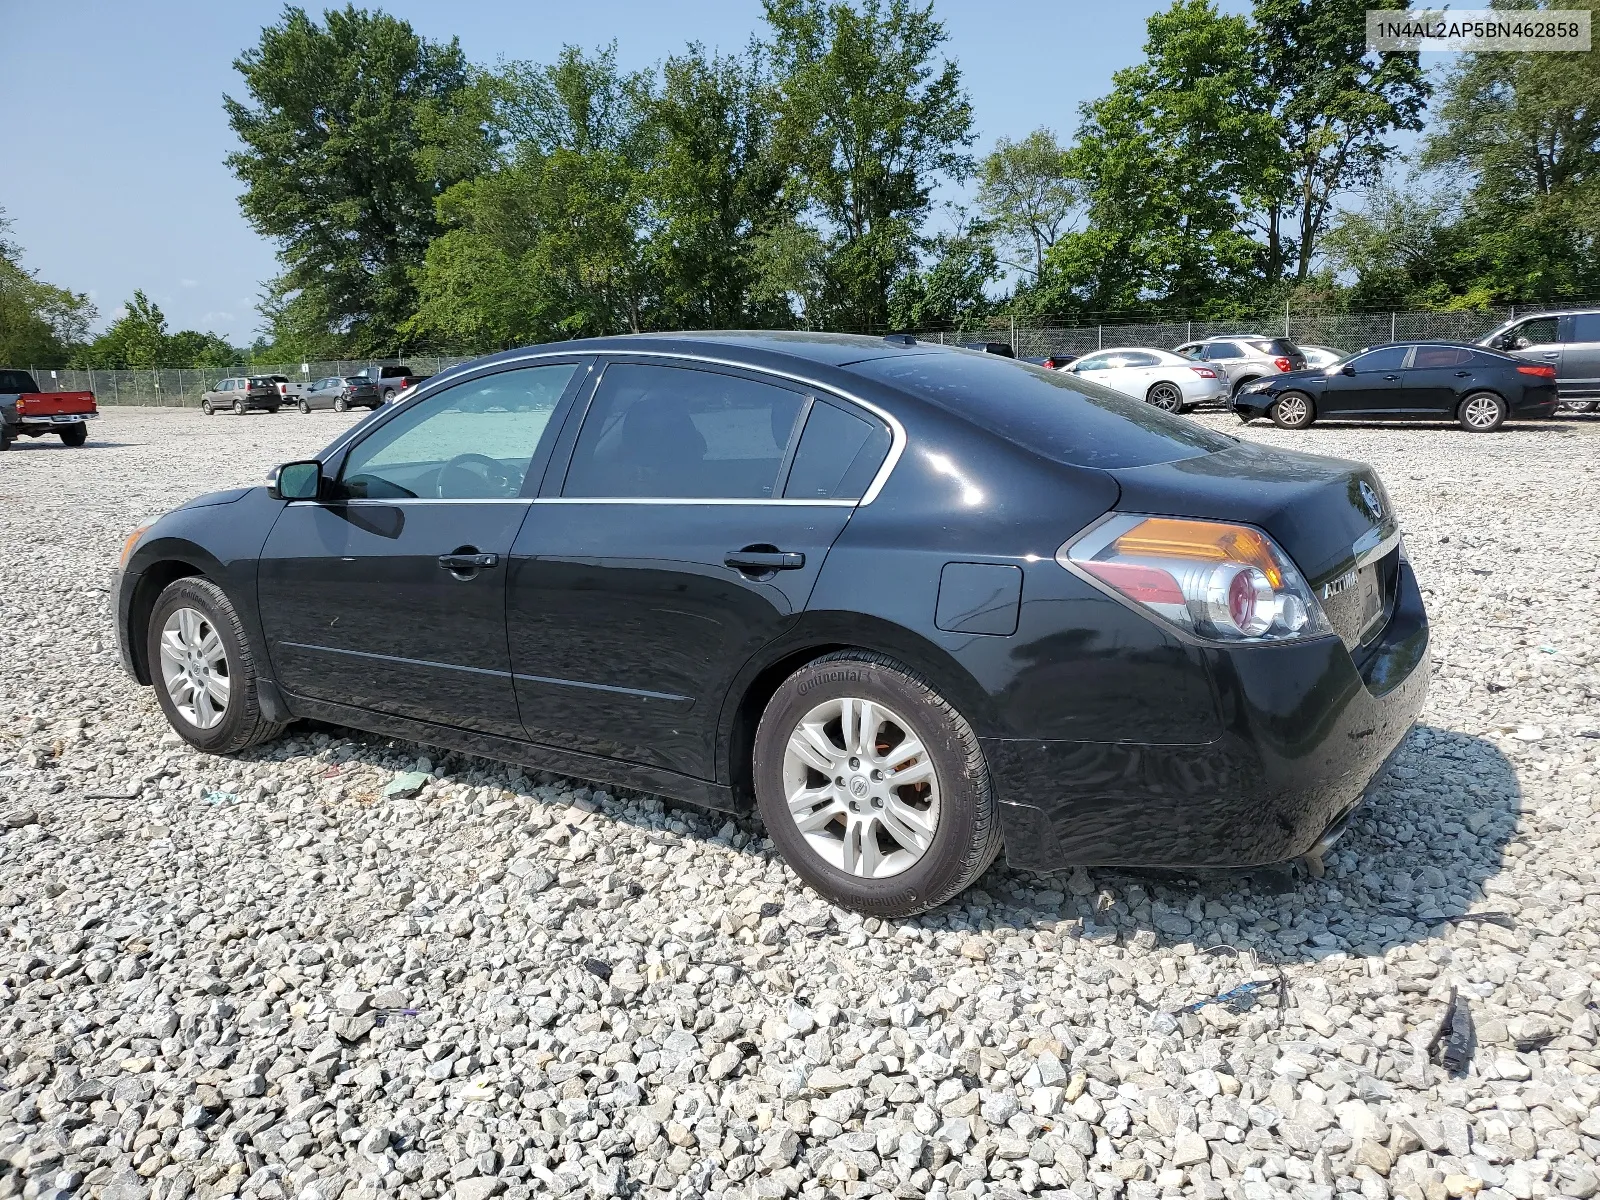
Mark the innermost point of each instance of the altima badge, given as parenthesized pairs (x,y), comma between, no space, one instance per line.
(1370,499)
(1334,586)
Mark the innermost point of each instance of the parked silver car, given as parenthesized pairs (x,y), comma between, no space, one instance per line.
(1567,341)
(1322,356)
(1157,377)
(1245,357)
(242,394)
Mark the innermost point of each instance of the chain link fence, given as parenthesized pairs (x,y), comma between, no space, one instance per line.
(1338,331)
(176,387)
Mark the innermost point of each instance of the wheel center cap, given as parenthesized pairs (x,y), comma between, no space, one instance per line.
(859,787)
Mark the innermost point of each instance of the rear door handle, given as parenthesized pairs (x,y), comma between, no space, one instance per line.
(468,562)
(1550,354)
(764,560)
(1391,378)
(1463,374)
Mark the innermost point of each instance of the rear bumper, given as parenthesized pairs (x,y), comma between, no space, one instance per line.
(1308,730)
(28,422)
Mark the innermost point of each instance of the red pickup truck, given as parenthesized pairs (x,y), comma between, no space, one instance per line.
(24,409)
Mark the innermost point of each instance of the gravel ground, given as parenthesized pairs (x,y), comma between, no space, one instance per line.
(285,976)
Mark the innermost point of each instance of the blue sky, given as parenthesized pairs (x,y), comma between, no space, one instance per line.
(113,135)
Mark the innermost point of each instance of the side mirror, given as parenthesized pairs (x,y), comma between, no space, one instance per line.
(1347,370)
(296,481)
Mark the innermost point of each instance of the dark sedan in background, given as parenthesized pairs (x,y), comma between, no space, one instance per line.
(913,602)
(341,394)
(1478,388)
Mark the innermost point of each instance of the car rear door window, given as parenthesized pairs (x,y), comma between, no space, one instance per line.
(838,455)
(682,433)
(1384,358)
(1139,359)
(1052,413)
(1439,356)
(473,441)
(1094,362)
(1586,327)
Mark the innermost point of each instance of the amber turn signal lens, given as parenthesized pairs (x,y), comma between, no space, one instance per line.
(128,545)
(1212,541)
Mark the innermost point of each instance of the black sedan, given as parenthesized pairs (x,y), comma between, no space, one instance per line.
(1478,388)
(912,602)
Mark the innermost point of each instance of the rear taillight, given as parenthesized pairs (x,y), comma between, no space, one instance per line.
(1283,364)
(1541,372)
(1227,582)
(1204,372)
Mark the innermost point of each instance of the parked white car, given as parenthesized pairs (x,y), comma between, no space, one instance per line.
(1158,377)
(1322,356)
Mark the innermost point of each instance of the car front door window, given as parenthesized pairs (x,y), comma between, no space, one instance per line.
(474,441)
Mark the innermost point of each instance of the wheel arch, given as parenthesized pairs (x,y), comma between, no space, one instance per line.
(816,635)
(153,569)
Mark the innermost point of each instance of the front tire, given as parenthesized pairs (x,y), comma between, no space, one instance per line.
(203,670)
(305,407)
(1482,412)
(205,407)
(1165,396)
(74,435)
(873,787)
(1293,410)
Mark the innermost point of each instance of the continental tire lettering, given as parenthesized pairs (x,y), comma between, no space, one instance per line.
(841,675)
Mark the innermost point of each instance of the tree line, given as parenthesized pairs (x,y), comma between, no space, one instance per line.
(421,202)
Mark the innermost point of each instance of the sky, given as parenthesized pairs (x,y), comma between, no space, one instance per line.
(114,137)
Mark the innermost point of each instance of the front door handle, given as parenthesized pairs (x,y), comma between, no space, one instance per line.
(1550,354)
(1463,374)
(1391,378)
(764,560)
(460,562)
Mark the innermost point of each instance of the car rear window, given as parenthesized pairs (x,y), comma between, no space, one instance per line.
(1277,346)
(15,383)
(1052,413)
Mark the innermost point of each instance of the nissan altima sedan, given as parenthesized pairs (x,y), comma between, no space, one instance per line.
(914,604)
(1158,377)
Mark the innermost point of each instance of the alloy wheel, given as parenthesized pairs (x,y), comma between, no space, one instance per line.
(1292,410)
(1166,397)
(194,668)
(1481,412)
(861,788)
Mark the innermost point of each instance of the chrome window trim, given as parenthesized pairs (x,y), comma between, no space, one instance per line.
(721,501)
(897,431)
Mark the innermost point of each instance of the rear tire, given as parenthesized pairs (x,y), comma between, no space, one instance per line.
(5,438)
(876,854)
(1293,410)
(1580,406)
(74,435)
(1482,412)
(1168,397)
(212,615)
(239,408)
(341,405)
(388,395)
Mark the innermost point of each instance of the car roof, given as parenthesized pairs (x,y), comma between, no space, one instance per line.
(1156,350)
(754,346)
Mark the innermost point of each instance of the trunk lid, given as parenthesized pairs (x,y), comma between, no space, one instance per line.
(1330,515)
(49,404)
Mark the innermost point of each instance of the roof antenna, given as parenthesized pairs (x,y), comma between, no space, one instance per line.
(900,339)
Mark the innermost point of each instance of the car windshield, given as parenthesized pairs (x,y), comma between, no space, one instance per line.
(1053,413)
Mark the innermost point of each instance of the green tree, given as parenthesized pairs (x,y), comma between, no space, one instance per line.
(137,339)
(39,322)
(1171,161)
(352,130)
(1336,107)
(870,121)
(949,292)
(548,244)
(1029,195)
(715,185)
(191,348)
(1519,134)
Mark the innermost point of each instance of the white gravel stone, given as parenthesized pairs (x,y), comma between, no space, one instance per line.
(284,976)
